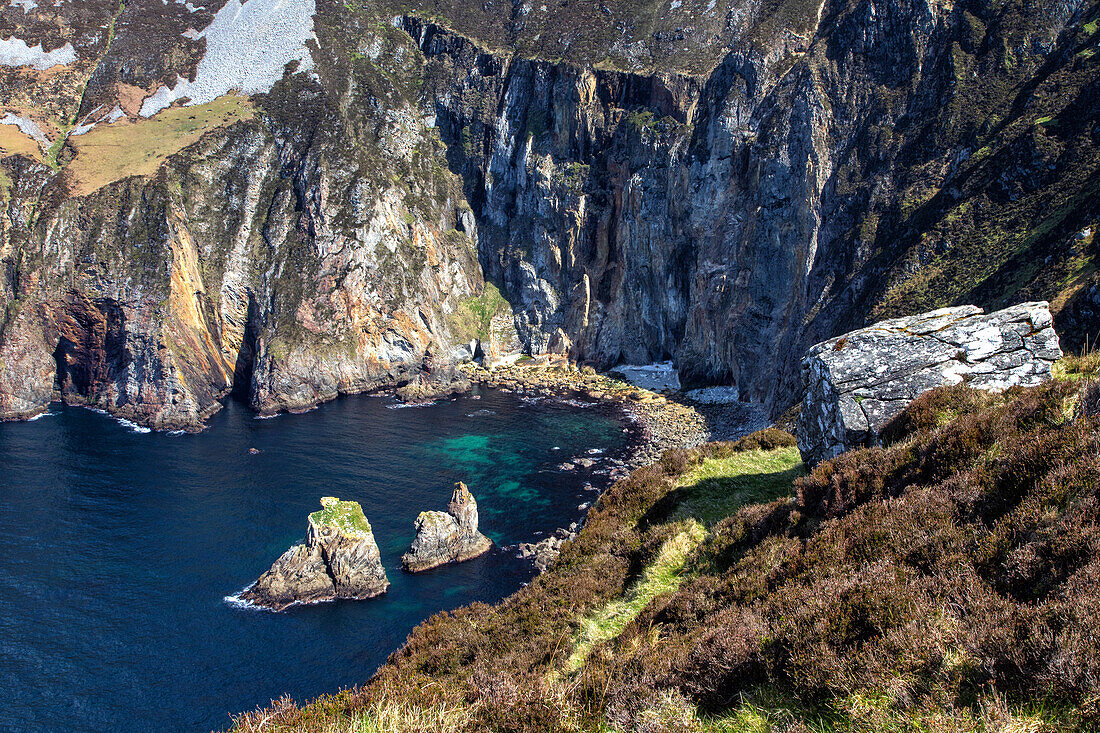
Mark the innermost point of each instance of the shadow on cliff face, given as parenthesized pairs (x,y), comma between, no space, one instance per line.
(246,356)
(91,347)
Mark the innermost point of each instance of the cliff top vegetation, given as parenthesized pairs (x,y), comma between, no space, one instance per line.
(345,515)
(945,581)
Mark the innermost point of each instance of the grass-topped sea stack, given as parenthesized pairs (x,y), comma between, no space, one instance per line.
(339,559)
(451,536)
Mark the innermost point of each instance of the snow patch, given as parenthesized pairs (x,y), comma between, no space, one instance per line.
(657,377)
(28,127)
(247,46)
(90,121)
(15,52)
(28,5)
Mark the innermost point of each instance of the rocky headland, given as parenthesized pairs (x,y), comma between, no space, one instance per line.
(338,559)
(447,537)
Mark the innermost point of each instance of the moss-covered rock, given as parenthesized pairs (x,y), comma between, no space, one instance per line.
(338,559)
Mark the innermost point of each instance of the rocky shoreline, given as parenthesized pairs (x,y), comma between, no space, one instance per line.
(655,422)
(660,421)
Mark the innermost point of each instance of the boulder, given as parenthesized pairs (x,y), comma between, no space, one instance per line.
(543,553)
(445,537)
(435,381)
(856,383)
(338,559)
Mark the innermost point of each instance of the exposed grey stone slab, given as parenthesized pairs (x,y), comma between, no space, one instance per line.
(857,383)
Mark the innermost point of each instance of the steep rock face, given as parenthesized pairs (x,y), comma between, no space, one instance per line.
(719,185)
(862,159)
(446,537)
(270,256)
(857,383)
(338,559)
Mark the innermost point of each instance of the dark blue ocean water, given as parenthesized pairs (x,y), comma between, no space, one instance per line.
(117,548)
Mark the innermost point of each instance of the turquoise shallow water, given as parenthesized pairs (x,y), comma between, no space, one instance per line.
(117,548)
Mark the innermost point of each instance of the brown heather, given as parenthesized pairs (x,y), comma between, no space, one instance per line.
(947,581)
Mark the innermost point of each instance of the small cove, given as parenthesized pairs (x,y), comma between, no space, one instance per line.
(117,548)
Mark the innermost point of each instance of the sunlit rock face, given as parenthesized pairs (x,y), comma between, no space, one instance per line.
(338,559)
(303,199)
(446,537)
(858,382)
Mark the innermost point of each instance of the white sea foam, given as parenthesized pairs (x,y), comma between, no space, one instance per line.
(403,405)
(15,52)
(41,415)
(236,601)
(134,427)
(247,47)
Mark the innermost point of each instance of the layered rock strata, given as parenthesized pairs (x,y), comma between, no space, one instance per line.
(857,383)
(338,559)
(446,537)
(720,186)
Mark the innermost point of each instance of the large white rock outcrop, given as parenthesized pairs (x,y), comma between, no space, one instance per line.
(856,383)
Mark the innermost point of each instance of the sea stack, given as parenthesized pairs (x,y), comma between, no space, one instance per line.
(338,559)
(445,537)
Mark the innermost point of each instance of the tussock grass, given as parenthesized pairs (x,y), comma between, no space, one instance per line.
(109,153)
(404,717)
(661,577)
(1078,366)
(719,487)
(769,710)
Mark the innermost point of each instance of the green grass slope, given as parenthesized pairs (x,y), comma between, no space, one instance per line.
(946,582)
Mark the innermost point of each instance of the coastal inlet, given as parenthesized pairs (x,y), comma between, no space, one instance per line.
(118,548)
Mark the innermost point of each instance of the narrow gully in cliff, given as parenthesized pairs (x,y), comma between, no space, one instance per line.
(246,356)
